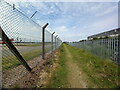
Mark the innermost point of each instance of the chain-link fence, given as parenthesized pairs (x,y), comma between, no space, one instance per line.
(26,36)
(108,47)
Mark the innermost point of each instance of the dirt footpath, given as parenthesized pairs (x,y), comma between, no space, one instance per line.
(76,78)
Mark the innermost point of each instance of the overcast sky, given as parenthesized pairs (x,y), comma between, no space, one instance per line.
(73,21)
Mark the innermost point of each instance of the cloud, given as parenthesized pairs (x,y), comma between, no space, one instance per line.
(109,10)
(62,29)
(76,24)
(63,0)
(78,32)
(99,26)
(73,21)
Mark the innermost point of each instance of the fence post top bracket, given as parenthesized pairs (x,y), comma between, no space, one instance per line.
(53,33)
(45,25)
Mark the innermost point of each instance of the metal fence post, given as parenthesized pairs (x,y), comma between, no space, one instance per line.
(1,63)
(55,41)
(13,49)
(52,40)
(43,40)
(118,49)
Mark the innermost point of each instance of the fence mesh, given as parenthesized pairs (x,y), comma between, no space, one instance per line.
(26,36)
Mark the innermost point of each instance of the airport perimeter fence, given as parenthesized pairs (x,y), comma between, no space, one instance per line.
(108,48)
(22,35)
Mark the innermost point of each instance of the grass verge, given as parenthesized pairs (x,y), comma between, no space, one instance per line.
(59,77)
(103,73)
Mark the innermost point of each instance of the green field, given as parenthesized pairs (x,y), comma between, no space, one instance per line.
(10,61)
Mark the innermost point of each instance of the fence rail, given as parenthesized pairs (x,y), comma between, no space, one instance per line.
(107,47)
(25,36)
